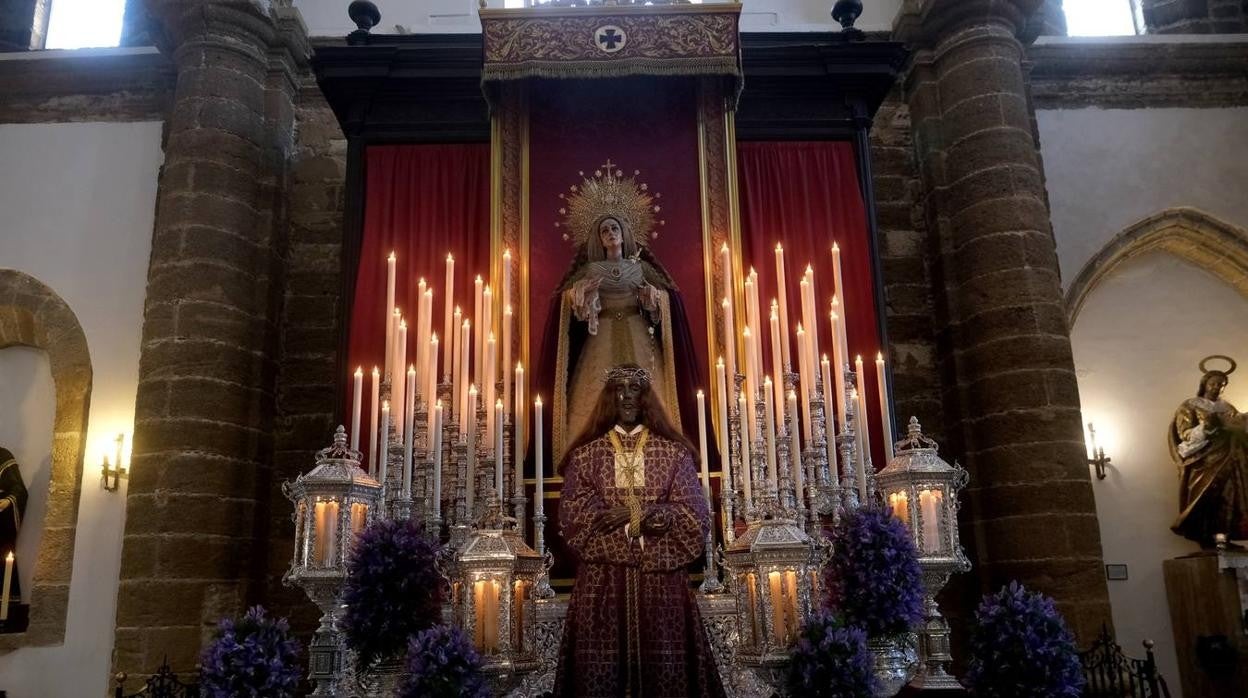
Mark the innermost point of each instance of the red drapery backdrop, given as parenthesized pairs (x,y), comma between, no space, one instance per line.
(805,195)
(421,201)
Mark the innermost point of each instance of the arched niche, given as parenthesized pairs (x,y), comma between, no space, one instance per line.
(1192,235)
(33,315)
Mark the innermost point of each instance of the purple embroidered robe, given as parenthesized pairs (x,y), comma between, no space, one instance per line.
(633,627)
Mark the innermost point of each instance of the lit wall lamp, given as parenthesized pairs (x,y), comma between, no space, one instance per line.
(113,472)
(1098,460)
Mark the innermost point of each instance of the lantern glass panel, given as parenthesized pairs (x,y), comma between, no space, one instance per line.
(899,502)
(790,606)
(751,587)
(778,619)
(931,506)
(325,550)
(520,591)
(359,516)
(485,596)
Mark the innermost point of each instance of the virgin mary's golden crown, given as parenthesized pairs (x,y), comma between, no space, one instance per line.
(609,193)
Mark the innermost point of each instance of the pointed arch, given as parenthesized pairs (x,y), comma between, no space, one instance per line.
(33,315)
(1189,234)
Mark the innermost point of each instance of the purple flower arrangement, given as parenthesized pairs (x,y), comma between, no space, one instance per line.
(873,579)
(1020,648)
(253,656)
(831,660)
(392,590)
(442,663)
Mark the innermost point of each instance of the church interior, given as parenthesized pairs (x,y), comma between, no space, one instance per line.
(710,347)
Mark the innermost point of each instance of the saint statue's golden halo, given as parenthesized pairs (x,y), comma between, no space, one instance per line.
(1230,363)
(608,192)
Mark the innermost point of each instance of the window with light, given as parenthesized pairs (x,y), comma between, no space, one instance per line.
(85,23)
(1103,17)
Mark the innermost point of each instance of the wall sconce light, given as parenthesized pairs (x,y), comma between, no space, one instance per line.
(1098,460)
(111,473)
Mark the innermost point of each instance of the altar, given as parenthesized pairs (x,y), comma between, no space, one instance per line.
(489,178)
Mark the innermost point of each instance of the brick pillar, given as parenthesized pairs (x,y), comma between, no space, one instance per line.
(1195,16)
(1011,400)
(198,505)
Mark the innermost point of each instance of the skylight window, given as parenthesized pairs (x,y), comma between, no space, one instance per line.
(1102,17)
(85,23)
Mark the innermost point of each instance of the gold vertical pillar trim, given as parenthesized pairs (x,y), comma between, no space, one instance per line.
(523,276)
(708,258)
(496,212)
(734,215)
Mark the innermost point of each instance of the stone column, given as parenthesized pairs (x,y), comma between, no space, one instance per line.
(1011,400)
(194,547)
(1195,16)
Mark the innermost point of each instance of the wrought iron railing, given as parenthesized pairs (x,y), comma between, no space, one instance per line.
(1112,674)
(163,684)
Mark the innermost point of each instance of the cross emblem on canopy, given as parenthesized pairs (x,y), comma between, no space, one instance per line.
(610,38)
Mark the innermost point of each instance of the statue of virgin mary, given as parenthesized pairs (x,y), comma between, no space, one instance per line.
(615,305)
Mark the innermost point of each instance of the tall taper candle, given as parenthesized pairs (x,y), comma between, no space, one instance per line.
(886,417)
(831,426)
(384,450)
(456,352)
(725,261)
(747,470)
(422,339)
(753,315)
(751,379)
(730,339)
(504,297)
(861,424)
(812,328)
(374,402)
(840,357)
(390,262)
(777,362)
(505,366)
(397,385)
(437,460)
(408,419)
(8,584)
(517,433)
(461,380)
(769,409)
(499,453)
(487,330)
(806,379)
(782,285)
(448,317)
(431,380)
(357,397)
(491,352)
(724,456)
(478,339)
(706,468)
(539,465)
(836,270)
(795,448)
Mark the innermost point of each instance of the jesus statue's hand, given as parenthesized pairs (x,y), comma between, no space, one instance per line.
(611,519)
(656,522)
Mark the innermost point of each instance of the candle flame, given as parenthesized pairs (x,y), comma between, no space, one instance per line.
(437,406)
(375,371)
(879,356)
(507,253)
(385,404)
(858,359)
(478,279)
(719,362)
(402,324)
(488,292)
(429,293)
(359,371)
(724,302)
(9,557)
(491,335)
(498,404)
(472,389)
(411,368)
(519,366)
(538,402)
(507,310)
(422,282)
(779,247)
(723,247)
(835,248)
(434,338)
(391,258)
(810,270)
(792,394)
(467,323)
(458,311)
(767,380)
(450,257)
(700,394)
(746,331)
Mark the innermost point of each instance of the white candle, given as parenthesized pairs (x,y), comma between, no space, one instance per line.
(491,351)
(384,450)
(8,583)
(725,261)
(397,385)
(437,460)
(751,379)
(782,286)
(431,378)
(840,357)
(860,466)
(724,455)
(769,408)
(806,379)
(487,330)
(408,419)
(375,404)
(357,398)
(390,262)
(465,336)
(795,447)
(746,465)
(498,451)
(862,424)
(505,297)
(754,320)
(456,354)
(886,418)
(777,362)
(706,468)
(470,436)
(730,339)
(829,434)
(539,506)
(517,433)
(478,341)
(812,327)
(929,508)
(424,329)
(836,270)
(506,361)
(449,321)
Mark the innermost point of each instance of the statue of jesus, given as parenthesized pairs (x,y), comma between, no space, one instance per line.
(633,511)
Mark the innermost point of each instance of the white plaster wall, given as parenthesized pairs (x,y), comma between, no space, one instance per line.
(1137,343)
(78,202)
(329,17)
(1108,168)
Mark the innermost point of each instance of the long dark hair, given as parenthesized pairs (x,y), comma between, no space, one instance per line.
(603,418)
(1204,381)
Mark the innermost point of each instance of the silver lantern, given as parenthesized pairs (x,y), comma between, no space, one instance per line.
(922,491)
(333,503)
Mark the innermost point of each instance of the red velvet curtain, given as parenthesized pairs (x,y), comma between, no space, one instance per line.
(805,195)
(421,201)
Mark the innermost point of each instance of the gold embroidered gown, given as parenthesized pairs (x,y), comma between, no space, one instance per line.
(633,627)
(1208,440)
